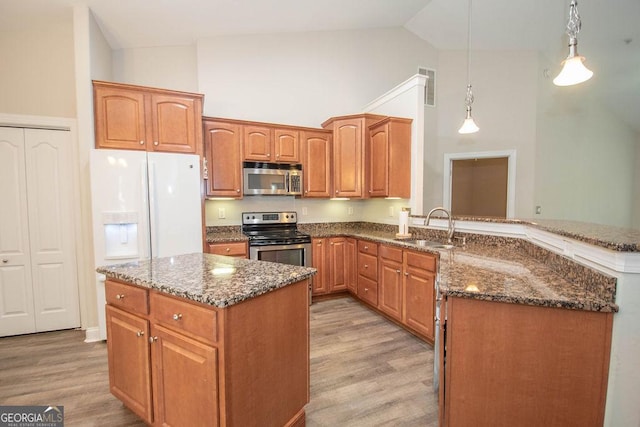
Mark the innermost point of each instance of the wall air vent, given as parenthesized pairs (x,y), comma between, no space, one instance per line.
(430,88)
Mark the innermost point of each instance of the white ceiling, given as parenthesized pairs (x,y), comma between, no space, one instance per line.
(496,24)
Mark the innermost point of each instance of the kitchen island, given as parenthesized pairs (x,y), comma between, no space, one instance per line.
(203,339)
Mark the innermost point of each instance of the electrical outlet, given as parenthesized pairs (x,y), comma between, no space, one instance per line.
(538,210)
(350,210)
(305,211)
(391,211)
(222,214)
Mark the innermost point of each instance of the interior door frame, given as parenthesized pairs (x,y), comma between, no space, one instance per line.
(511,175)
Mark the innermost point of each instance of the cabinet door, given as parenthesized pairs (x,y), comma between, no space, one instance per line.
(319,262)
(347,158)
(175,123)
(337,263)
(257,143)
(316,164)
(129,363)
(390,289)
(419,300)
(286,144)
(185,380)
(350,265)
(120,120)
(224,162)
(378,185)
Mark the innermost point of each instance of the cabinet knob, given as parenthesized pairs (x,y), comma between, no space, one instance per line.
(155,143)
(366,248)
(120,296)
(237,190)
(366,266)
(141,142)
(153,339)
(177,316)
(398,271)
(406,274)
(319,243)
(336,191)
(268,154)
(366,289)
(139,333)
(228,249)
(4,261)
(331,243)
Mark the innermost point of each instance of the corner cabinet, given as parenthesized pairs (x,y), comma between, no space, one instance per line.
(334,258)
(147,119)
(175,362)
(223,155)
(389,158)
(350,134)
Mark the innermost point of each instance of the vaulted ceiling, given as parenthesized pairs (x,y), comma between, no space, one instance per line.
(610,36)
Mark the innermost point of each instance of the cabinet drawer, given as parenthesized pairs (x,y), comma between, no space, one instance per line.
(421,260)
(388,252)
(236,249)
(368,247)
(186,317)
(368,290)
(368,266)
(127,297)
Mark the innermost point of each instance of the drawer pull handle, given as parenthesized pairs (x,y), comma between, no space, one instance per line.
(177,316)
(120,296)
(153,339)
(366,248)
(139,333)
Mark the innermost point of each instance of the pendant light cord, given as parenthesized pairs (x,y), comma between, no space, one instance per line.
(469,45)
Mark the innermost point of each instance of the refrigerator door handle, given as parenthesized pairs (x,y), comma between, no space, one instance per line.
(153,220)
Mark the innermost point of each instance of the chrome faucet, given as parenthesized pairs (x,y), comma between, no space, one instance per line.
(450,227)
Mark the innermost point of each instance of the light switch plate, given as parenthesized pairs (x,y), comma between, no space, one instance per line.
(222,214)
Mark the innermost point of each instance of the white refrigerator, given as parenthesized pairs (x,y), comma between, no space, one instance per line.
(145,205)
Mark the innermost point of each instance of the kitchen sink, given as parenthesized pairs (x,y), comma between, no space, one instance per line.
(430,244)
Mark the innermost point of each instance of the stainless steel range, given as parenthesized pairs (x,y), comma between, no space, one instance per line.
(274,236)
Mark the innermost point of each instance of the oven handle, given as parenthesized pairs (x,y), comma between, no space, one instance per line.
(254,250)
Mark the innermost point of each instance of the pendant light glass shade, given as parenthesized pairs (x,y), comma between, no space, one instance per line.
(573,69)
(468,126)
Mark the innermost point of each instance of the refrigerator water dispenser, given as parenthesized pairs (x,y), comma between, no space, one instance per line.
(120,235)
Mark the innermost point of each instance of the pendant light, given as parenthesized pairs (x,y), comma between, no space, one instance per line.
(468,126)
(573,69)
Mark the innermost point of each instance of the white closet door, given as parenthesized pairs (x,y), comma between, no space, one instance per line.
(16,292)
(49,163)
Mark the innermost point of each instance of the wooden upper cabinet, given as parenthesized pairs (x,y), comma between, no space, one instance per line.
(316,163)
(389,158)
(286,145)
(142,118)
(223,158)
(120,119)
(349,136)
(257,143)
(268,144)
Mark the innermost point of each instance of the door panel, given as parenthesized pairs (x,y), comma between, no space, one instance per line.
(48,159)
(16,292)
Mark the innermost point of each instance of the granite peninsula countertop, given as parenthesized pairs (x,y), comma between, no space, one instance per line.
(210,279)
(493,268)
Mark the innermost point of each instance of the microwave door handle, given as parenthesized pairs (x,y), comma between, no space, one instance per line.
(286,182)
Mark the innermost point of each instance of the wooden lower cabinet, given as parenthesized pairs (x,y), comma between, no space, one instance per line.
(520,365)
(334,258)
(368,272)
(175,362)
(350,264)
(185,380)
(320,285)
(406,288)
(233,249)
(129,363)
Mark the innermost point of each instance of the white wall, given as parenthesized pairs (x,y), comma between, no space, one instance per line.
(586,157)
(636,193)
(37,71)
(504,86)
(170,67)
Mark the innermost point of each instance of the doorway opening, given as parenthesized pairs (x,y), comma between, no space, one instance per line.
(480,184)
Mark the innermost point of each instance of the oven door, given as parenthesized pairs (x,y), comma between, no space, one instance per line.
(296,254)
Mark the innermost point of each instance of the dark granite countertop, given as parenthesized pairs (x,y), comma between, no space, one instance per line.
(210,279)
(498,269)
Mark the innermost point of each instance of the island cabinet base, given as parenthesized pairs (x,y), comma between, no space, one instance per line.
(519,365)
(175,362)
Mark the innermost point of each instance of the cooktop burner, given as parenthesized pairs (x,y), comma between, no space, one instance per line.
(272,228)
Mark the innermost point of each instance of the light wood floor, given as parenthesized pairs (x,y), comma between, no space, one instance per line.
(365,371)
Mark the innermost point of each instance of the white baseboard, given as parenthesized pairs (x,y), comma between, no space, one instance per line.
(92,334)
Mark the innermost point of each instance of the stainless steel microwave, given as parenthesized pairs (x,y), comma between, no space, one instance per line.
(279,179)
